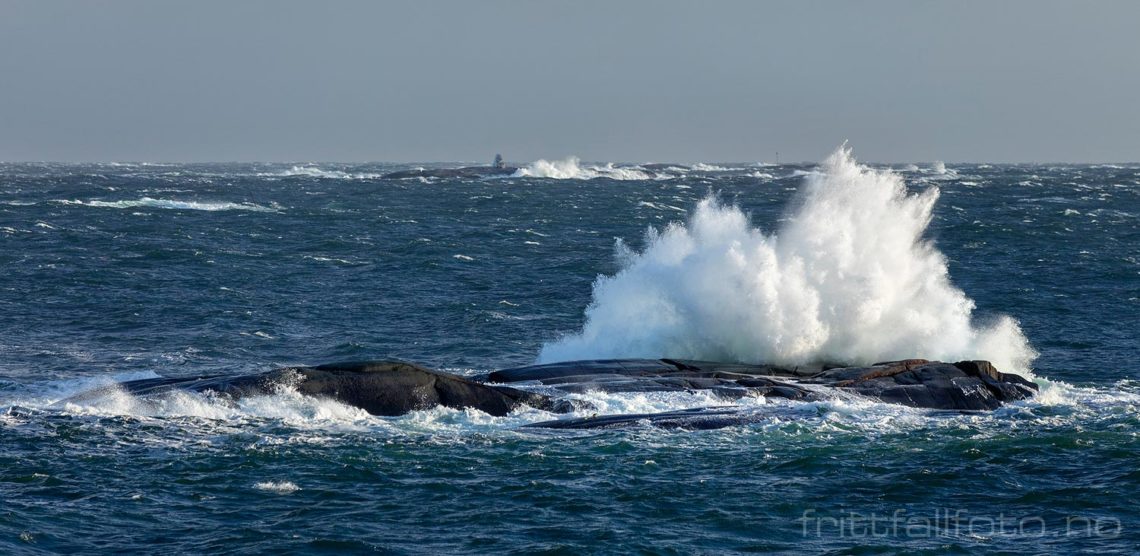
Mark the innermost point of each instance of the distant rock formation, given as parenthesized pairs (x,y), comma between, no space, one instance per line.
(497,168)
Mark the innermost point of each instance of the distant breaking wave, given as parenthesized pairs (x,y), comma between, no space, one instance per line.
(572,169)
(847,278)
(170,204)
(703,167)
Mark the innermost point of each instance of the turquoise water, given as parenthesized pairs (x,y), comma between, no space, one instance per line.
(113,272)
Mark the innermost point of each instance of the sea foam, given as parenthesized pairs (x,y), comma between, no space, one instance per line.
(848,277)
(278,487)
(147,202)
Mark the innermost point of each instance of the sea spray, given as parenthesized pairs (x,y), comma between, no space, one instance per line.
(569,168)
(847,278)
(572,169)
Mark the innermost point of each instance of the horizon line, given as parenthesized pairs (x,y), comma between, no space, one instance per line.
(764,162)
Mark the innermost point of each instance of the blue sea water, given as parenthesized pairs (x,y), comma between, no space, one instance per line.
(121,271)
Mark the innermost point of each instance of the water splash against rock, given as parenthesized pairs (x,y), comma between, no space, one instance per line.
(847,278)
(571,168)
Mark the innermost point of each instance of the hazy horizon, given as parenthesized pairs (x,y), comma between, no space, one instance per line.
(597,161)
(406,82)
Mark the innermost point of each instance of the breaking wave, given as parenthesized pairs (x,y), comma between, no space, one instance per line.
(572,169)
(848,278)
(703,167)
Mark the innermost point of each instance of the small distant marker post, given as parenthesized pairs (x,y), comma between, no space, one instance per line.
(777,158)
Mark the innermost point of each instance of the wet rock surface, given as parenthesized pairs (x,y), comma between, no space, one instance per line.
(961,386)
(394,388)
(379,387)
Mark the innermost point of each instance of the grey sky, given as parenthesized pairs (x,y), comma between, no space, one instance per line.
(625,81)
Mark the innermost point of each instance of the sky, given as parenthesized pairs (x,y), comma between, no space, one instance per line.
(635,81)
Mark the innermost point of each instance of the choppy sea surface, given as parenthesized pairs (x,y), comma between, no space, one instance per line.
(120,271)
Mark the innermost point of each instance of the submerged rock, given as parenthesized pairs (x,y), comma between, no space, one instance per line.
(395,388)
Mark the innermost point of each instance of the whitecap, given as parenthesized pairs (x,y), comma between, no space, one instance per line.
(702,167)
(278,487)
(571,168)
(659,206)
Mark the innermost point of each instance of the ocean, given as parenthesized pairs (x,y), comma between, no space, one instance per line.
(119,271)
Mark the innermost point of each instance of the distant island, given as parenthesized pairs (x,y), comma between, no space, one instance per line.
(497,168)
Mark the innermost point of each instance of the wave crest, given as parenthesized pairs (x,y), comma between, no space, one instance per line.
(571,168)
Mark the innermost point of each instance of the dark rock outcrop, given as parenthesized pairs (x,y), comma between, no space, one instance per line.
(378,387)
(965,385)
(729,380)
(962,386)
(395,388)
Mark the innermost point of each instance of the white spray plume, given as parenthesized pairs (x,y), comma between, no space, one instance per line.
(848,278)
